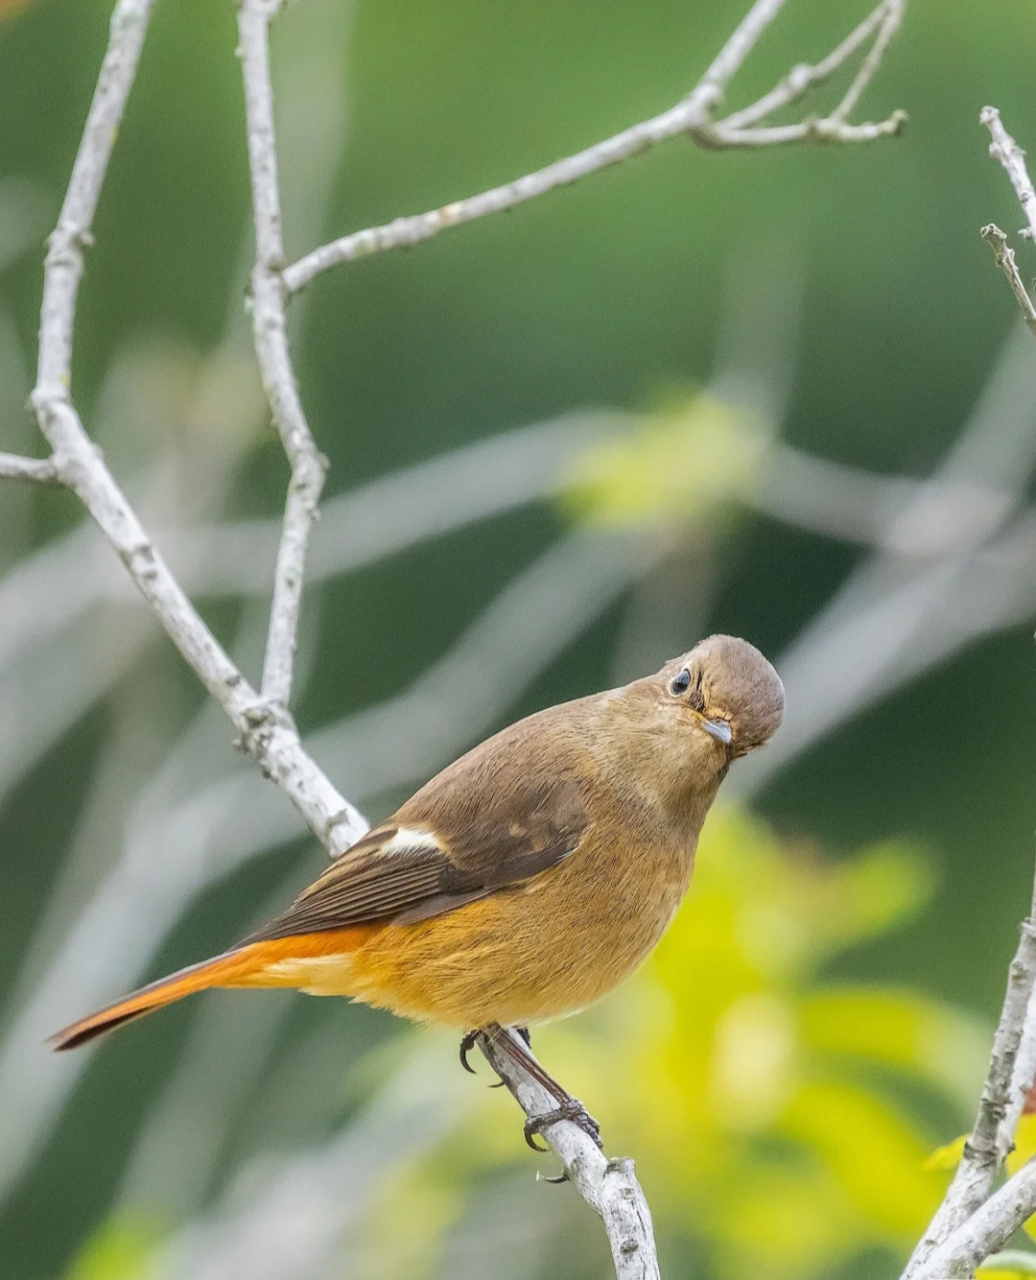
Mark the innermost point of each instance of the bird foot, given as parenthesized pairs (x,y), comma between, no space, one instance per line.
(466,1045)
(470,1039)
(568,1109)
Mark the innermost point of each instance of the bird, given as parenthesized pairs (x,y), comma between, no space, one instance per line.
(524,881)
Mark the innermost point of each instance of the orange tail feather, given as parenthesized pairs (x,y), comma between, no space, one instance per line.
(244,966)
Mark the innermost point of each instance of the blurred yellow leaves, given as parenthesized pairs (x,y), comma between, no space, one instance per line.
(120,1250)
(679,462)
(764,1103)
(428,1199)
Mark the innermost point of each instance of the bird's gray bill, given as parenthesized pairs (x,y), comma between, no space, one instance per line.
(719,729)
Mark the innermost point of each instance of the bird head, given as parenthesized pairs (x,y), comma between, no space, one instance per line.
(728,691)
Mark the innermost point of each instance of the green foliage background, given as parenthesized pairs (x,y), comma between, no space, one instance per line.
(609,294)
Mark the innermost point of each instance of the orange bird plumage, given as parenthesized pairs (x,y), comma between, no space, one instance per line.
(526,879)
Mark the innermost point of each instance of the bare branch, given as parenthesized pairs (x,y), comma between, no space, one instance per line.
(1004,255)
(1022,1079)
(1012,157)
(813,129)
(267,733)
(609,1187)
(890,22)
(976,1173)
(38,470)
(884,20)
(692,117)
(986,1231)
(64,264)
(270,335)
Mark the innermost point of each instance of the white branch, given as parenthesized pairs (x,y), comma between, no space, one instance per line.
(270,334)
(971,1223)
(1012,157)
(38,470)
(265,731)
(1004,255)
(1023,1078)
(881,23)
(609,1187)
(988,1228)
(980,1163)
(691,117)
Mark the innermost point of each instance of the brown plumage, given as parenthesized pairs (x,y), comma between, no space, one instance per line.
(526,879)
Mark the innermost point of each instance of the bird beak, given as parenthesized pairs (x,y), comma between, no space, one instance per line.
(719,729)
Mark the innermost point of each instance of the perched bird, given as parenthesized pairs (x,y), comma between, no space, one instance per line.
(525,880)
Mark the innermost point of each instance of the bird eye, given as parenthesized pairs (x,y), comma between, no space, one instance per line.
(680,683)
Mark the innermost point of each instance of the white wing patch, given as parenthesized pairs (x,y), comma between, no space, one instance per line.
(408,839)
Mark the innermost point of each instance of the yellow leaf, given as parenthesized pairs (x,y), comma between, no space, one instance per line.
(672,468)
(947,1157)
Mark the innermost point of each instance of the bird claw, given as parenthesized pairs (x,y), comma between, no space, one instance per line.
(466,1045)
(569,1109)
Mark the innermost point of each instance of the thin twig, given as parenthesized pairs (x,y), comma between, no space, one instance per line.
(609,1187)
(802,78)
(1004,255)
(890,23)
(980,1163)
(270,335)
(813,129)
(37,470)
(1012,157)
(691,117)
(267,734)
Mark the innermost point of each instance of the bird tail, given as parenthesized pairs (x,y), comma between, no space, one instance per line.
(253,964)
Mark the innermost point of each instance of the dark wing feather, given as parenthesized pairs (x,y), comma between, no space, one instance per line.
(477,849)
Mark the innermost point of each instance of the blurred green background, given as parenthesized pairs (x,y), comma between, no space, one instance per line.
(837,304)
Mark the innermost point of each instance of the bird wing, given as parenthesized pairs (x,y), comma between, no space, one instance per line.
(447,846)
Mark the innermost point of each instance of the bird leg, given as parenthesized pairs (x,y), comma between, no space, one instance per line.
(515,1043)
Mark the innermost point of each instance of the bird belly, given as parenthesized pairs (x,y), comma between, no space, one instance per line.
(537,951)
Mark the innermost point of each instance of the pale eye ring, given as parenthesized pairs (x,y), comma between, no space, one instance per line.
(681,683)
